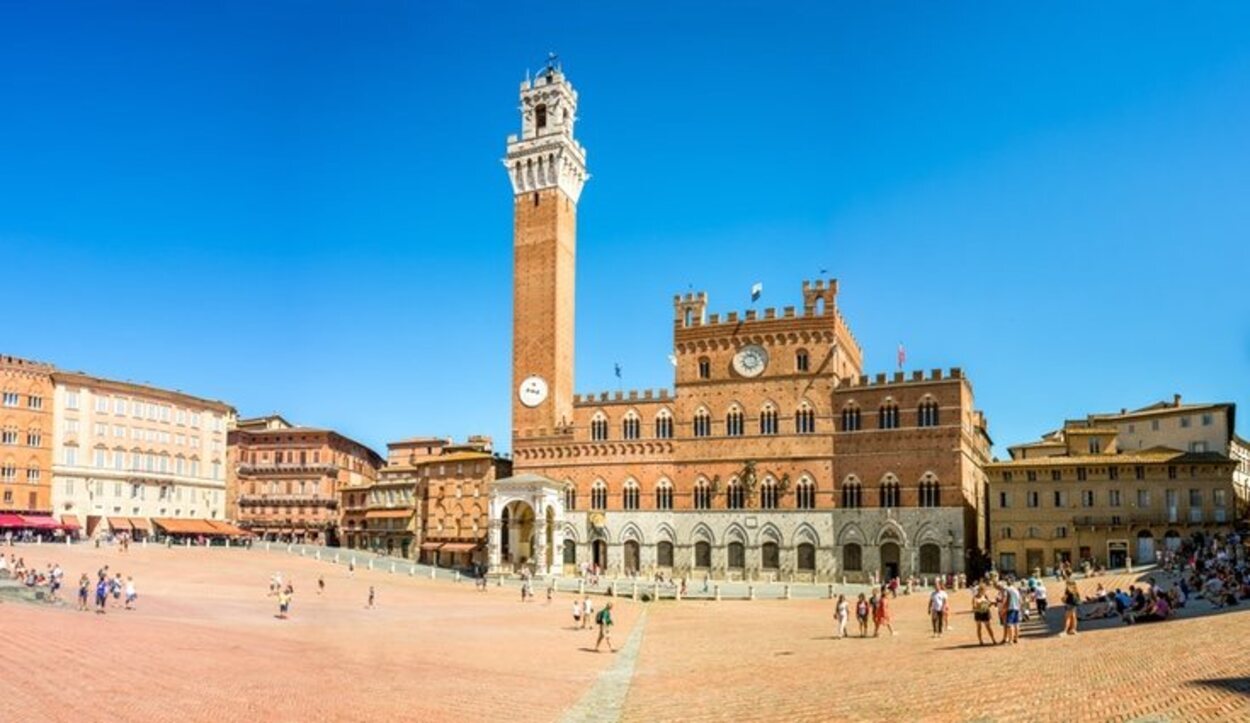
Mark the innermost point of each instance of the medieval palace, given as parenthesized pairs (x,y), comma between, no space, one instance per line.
(772,455)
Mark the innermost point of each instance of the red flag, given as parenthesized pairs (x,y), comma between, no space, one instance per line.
(902,355)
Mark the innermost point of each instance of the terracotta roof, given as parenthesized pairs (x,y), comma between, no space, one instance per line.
(1153,455)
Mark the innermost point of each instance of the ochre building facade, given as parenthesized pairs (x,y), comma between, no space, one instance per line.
(286,479)
(772,456)
(25,437)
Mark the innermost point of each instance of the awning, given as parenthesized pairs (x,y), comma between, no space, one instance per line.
(170,525)
(431,545)
(11,521)
(459,547)
(225,528)
(41,522)
(119,524)
(70,522)
(140,524)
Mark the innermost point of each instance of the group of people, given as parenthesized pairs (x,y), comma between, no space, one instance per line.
(874,609)
(106,586)
(584,615)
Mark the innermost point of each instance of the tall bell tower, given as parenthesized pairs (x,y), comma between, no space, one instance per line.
(547,167)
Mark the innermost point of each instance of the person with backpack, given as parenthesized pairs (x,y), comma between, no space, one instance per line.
(604,620)
(938,601)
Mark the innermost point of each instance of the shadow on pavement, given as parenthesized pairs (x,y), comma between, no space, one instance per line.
(1234,685)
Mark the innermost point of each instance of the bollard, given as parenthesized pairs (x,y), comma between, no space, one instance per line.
(844,579)
(186,542)
(655,592)
(38,540)
(456,576)
(336,558)
(67,540)
(318,555)
(612,588)
(750,592)
(831,590)
(634,594)
(267,545)
(716,591)
(432,569)
(371,563)
(392,568)
(677,595)
(412,570)
(786,591)
(581,587)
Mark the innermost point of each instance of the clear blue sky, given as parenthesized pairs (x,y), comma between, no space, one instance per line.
(299,206)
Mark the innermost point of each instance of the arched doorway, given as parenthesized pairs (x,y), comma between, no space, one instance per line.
(889,561)
(631,557)
(517,543)
(807,557)
(737,555)
(930,559)
(770,556)
(1172,540)
(664,554)
(852,557)
(1145,547)
(570,555)
(599,554)
(702,554)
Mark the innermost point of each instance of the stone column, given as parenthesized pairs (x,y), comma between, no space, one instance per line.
(540,546)
(495,543)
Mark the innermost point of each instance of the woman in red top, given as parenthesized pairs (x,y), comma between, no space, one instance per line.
(881,615)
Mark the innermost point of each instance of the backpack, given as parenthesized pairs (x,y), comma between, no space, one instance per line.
(600,617)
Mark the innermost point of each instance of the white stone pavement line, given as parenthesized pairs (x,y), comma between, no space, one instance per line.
(605,701)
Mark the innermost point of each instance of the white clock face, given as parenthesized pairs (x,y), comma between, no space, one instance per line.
(751,360)
(533,391)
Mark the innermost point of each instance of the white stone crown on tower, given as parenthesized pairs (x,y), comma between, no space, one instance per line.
(546,155)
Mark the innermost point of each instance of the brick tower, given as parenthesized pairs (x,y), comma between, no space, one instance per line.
(547,167)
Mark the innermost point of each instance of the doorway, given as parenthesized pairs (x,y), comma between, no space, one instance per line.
(1117,554)
(631,557)
(1145,547)
(599,554)
(889,561)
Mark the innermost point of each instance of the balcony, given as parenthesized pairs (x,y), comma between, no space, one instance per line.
(328,468)
(1137,520)
(276,500)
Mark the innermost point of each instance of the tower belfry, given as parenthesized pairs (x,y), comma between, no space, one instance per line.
(547,167)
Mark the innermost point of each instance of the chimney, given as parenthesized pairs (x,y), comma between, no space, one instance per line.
(1176,400)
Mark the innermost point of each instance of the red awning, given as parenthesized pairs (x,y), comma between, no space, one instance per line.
(11,521)
(40,522)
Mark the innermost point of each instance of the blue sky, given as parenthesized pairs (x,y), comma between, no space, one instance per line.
(299,206)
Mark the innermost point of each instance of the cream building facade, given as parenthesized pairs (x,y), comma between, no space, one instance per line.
(125,453)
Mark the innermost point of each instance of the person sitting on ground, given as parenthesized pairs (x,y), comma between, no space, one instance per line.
(1100,595)
(1157,609)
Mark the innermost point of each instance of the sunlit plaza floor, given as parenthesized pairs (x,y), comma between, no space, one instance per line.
(204,644)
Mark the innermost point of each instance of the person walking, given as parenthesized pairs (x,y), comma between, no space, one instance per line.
(131,596)
(577,613)
(604,621)
(284,603)
(843,612)
(101,595)
(84,591)
(981,605)
(861,615)
(881,614)
(321,584)
(1071,603)
(1039,599)
(588,609)
(938,600)
(371,597)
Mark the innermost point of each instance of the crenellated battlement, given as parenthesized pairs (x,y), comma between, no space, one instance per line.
(819,300)
(914,377)
(623,397)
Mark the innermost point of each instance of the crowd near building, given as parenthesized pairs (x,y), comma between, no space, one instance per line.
(774,454)
(1118,488)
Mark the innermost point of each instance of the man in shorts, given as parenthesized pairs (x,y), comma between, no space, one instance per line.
(604,621)
(1012,630)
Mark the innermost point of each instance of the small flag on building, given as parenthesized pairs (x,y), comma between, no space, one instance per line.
(902,355)
(618,370)
(756,290)
(672,359)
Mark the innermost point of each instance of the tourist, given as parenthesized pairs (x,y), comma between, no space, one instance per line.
(843,613)
(881,613)
(604,621)
(981,605)
(115,587)
(351,567)
(1039,599)
(101,595)
(284,603)
(938,601)
(84,591)
(588,609)
(1071,606)
(1011,631)
(577,613)
(321,584)
(861,615)
(130,593)
(370,605)
(1157,609)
